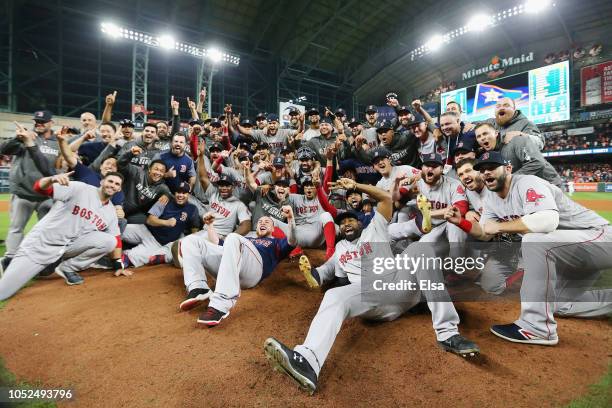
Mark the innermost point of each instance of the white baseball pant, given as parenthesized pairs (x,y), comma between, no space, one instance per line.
(347,301)
(553,263)
(308,235)
(235,265)
(146,245)
(77,256)
(20,212)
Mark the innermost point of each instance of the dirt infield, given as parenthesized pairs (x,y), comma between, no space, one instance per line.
(596,205)
(122,342)
(4,206)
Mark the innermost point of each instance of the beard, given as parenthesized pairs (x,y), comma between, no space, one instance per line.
(503,120)
(500,183)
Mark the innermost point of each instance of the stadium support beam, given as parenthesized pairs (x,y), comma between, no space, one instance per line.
(140,68)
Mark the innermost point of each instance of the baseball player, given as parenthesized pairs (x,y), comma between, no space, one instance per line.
(562,242)
(475,188)
(25,170)
(314,119)
(142,188)
(441,192)
(148,151)
(80,228)
(230,213)
(178,164)
(304,362)
(166,222)
(275,137)
(241,262)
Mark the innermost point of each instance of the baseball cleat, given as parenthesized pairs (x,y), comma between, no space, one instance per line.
(291,363)
(306,270)
(516,334)
(177,254)
(194,298)
(296,252)
(71,278)
(425,208)
(212,317)
(4,263)
(460,345)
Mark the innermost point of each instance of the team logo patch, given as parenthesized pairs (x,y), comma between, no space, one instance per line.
(460,190)
(183,216)
(485,156)
(532,196)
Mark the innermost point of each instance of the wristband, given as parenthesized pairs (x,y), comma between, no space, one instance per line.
(465,225)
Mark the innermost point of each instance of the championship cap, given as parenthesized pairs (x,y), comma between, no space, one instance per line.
(380,153)
(344,215)
(312,111)
(272,117)
(491,157)
(225,179)
(126,123)
(42,116)
(183,188)
(371,109)
(216,146)
(433,158)
(384,125)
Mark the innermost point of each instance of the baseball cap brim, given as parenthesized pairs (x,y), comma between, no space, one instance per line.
(344,215)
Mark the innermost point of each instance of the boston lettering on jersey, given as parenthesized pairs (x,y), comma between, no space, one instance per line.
(436,205)
(307,209)
(220,209)
(366,248)
(89,215)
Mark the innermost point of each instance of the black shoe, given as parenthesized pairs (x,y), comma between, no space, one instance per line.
(194,298)
(72,278)
(212,317)
(4,263)
(291,363)
(460,345)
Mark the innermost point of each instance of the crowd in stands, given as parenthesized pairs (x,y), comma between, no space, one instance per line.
(585,172)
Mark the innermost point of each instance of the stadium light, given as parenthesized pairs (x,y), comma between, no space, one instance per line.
(535,6)
(479,22)
(435,42)
(168,42)
(215,55)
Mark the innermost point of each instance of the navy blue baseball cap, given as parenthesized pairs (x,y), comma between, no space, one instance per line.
(126,123)
(307,181)
(246,122)
(279,161)
(384,125)
(216,146)
(418,118)
(371,109)
(282,182)
(434,158)
(346,214)
(195,122)
(312,111)
(262,146)
(491,157)
(272,117)
(466,145)
(225,179)
(346,165)
(293,111)
(380,153)
(260,115)
(183,188)
(340,112)
(403,109)
(216,123)
(43,116)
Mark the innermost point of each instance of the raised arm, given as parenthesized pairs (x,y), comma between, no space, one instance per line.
(176,118)
(202,172)
(385,204)
(65,150)
(193,109)
(108,108)
(291,234)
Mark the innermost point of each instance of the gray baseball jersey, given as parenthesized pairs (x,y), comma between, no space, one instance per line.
(77,210)
(277,141)
(443,194)
(386,183)
(529,194)
(476,199)
(228,212)
(427,147)
(310,133)
(306,211)
(347,258)
(241,189)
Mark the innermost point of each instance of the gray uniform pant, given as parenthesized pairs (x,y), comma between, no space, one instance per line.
(444,232)
(20,213)
(348,301)
(308,235)
(146,245)
(554,263)
(78,255)
(237,264)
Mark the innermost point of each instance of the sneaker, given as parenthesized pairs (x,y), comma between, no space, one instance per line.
(4,263)
(516,334)
(459,345)
(291,363)
(425,208)
(194,298)
(177,255)
(306,270)
(212,317)
(71,278)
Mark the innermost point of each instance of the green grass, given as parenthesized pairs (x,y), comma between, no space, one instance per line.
(592,196)
(599,396)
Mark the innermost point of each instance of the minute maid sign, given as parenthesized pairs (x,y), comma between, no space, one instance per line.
(497,66)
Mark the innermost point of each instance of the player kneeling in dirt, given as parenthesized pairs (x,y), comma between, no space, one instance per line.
(80,229)
(239,262)
(356,298)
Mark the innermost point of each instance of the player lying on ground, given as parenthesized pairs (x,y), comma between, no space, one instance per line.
(239,262)
(564,247)
(80,229)
(356,298)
